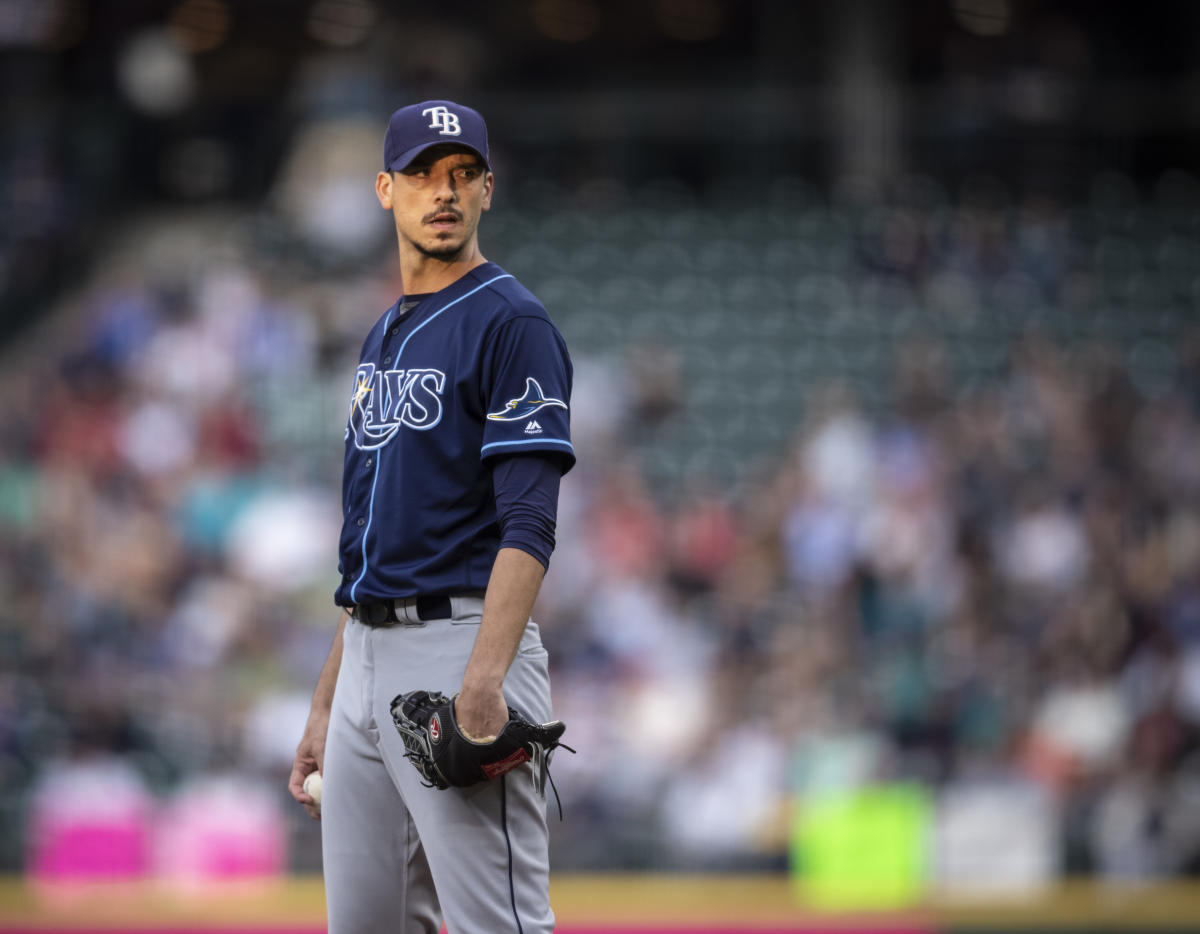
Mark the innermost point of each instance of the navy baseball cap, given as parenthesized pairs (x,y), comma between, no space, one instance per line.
(415,128)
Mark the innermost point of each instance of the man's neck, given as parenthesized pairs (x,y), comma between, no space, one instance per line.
(423,275)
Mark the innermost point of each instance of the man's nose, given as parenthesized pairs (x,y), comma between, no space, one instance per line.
(447,190)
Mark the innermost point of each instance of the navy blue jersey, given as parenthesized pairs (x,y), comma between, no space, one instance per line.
(470,373)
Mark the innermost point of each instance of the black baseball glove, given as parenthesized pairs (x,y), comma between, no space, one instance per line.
(447,759)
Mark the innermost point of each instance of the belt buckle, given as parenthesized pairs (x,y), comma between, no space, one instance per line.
(381,614)
(391,612)
(374,614)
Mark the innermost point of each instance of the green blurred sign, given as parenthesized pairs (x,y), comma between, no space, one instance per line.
(862,848)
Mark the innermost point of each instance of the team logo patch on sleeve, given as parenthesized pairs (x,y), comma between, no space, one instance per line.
(534,400)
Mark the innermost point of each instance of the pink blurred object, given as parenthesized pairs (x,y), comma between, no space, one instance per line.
(90,819)
(221,827)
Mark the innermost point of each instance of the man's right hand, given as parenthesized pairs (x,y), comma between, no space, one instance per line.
(310,757)
(310,754)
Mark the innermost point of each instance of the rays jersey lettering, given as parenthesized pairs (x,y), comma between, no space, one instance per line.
(385,400)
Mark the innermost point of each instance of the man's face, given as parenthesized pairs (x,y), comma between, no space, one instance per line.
(437,200)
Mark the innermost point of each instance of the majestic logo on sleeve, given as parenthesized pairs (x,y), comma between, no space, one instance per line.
(534,400)
(384,400)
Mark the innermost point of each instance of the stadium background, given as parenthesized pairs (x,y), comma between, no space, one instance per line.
(881,565)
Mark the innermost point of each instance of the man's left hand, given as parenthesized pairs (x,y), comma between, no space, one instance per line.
(480,714)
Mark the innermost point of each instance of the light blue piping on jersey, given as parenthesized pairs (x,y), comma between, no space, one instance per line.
(506,444)
(379,452)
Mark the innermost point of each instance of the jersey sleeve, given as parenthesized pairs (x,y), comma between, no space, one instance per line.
(527,392)
(526,490)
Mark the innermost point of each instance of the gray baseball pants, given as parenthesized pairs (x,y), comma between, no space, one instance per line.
(396,854)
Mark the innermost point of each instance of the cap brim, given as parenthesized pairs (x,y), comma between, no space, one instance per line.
(405,158)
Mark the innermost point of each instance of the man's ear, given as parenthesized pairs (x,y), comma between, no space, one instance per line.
(383,190)
(489,186)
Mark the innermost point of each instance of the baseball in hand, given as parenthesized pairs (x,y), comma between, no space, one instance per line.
(312,787)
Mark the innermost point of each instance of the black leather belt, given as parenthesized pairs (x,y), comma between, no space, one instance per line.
(383,613)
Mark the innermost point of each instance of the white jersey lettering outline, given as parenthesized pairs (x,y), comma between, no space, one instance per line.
(385,400)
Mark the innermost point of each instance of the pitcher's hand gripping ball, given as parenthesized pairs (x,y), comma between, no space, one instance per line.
(447,759)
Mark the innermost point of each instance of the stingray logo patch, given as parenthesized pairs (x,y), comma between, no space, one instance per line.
(533,400)
(435,728)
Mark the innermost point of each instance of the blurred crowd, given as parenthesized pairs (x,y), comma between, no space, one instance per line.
(973,584)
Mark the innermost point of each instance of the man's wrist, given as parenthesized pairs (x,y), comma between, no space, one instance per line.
(482,682)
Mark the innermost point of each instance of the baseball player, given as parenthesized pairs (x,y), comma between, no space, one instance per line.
(456,437)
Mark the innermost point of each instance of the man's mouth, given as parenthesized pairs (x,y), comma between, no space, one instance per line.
(444,219)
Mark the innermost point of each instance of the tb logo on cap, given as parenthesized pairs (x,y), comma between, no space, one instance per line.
(443,119)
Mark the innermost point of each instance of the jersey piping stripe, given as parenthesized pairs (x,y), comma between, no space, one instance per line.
(507,444)
(379,453)
(484,285)
(512,889)
(371,503)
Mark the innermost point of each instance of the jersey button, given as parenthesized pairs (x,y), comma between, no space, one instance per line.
(370,461)
(360,522)
(395,331)
(387,359)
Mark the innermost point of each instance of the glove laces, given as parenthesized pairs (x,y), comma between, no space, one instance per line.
(542,772)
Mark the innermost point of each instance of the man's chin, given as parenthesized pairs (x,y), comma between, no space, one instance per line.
(442,251)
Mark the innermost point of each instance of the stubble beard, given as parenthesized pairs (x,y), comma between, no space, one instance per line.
(447,253)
